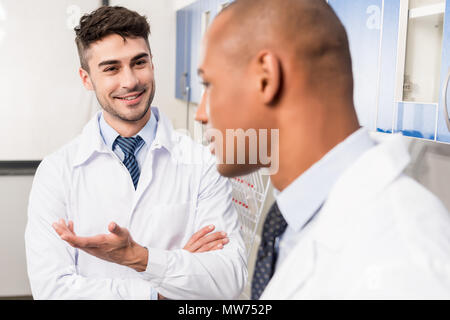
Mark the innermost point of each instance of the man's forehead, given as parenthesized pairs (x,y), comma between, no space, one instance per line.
(116,47)
(213,42)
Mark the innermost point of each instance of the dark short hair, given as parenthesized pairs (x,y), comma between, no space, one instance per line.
(105,21)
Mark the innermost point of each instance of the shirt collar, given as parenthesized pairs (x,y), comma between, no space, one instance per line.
(109,134)
(303,198)
(92,142)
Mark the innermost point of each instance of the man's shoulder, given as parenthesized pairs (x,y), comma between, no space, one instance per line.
(406,224)
(63,157)
(419,215)
(414,205)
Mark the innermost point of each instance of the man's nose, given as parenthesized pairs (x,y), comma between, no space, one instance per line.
(201,114)
(129,79)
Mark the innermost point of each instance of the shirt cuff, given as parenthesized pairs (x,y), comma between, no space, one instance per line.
(140,289)
(156,266)
(153,294)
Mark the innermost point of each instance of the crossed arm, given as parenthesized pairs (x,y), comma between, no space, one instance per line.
(119,247)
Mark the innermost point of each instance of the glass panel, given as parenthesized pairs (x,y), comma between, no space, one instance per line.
(423,51)
(416,120)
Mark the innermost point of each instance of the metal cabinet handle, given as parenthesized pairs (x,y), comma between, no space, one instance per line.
(183,83)
(444,100)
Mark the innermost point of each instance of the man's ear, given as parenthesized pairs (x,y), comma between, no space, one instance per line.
(269,76)
(86,79)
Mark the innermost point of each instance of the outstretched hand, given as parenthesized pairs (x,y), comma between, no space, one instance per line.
(118,246)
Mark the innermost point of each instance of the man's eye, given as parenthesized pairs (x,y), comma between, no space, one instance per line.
(110,69)
(205,84)
(141,62)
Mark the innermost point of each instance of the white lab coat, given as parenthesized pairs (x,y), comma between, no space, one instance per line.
(179,192)
(379,235)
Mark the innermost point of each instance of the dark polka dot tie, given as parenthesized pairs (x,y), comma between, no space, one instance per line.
(129,146)
(274,226)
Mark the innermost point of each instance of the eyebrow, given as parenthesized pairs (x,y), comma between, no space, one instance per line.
(110,62)
(200,71)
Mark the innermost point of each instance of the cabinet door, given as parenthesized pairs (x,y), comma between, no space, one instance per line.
(388,66)
(183,55)
(443,130)
(419,64)
(192,22)
(203,11)
(411,89)
(362,20)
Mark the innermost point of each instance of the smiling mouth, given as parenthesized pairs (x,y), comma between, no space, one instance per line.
(131,98)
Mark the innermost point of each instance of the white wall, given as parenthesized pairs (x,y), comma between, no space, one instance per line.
(43,101)
(178,4)
(13,207)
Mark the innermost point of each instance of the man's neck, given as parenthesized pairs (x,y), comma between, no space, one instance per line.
(126,129)
(299,149)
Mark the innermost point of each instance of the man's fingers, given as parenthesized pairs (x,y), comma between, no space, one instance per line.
(211,237)
(60,228)
(214,245)
(199,234)
(71,226)
(206,239)
(84,242)
(117,230)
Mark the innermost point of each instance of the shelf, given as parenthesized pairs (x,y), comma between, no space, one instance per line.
(427,11)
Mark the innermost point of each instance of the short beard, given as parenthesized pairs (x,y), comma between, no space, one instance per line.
(113,112)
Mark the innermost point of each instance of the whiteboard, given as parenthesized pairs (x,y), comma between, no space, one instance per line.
(43,104)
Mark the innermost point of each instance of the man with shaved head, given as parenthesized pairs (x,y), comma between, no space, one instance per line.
(347,223)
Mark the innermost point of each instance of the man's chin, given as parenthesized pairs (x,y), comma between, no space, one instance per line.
(133,115)
(236,170)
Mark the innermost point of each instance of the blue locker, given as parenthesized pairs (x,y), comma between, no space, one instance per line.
(362,20)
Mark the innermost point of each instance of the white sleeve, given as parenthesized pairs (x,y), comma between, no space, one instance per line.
(51,262)
(219,274)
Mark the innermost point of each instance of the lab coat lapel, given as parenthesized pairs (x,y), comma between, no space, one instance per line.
(357,188)
(332,227)
(165,138)
(299,266)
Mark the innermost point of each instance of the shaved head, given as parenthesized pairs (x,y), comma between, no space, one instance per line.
(284,65)
(308,30)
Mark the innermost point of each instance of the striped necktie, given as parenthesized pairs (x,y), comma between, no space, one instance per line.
(129,146)
(274,226)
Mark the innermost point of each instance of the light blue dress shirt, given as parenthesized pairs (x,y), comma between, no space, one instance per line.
(304,197)
(147,133)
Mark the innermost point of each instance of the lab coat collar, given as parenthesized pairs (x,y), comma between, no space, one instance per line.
(165,134)
(91,141)
(312,187)
(357,187)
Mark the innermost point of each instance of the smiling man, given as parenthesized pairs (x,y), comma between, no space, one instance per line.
(127,209)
